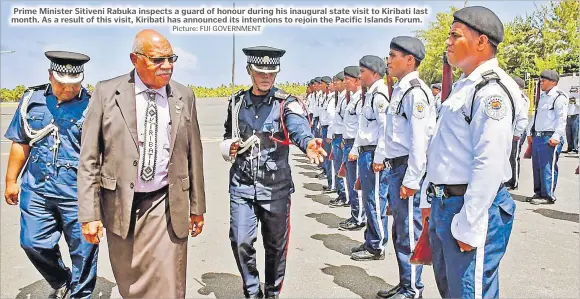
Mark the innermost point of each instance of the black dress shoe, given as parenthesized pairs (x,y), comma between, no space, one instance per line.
(388,293)
(367,256)
(59,293)
(338,203)
(351,225)
(361,247)
(542,201)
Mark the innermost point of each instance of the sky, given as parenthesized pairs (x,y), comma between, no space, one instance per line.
(206,59)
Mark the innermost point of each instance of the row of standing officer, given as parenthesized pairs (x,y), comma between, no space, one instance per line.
(453,160)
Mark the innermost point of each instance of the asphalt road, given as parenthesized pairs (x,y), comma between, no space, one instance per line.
(542,260)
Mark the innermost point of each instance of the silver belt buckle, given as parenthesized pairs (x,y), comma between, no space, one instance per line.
(388,164)
(438,191)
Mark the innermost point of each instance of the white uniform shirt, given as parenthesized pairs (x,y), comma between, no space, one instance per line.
(326,103)
(316,105)
(372,121)
(337,126)
(351,115)
(410,135)
(522,118)
(573,105)
(552,111)
(475,154)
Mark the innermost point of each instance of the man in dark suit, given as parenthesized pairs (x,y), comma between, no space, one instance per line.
(141,172)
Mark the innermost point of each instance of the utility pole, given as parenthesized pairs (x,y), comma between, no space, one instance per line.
(233,57)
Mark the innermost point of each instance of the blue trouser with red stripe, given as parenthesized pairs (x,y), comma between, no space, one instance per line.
(275,217)
(43,220)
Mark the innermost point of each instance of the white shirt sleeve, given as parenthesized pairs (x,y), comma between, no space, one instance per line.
(418,115)
(561,111)
(490,139)
(521,120)
(380,108)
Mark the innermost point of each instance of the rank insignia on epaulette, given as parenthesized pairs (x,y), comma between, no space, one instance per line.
(280,94)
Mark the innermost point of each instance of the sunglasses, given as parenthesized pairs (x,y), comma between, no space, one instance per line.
(159,60)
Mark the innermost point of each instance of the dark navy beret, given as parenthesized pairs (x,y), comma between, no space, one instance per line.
(482,20)
(318,80)
(436,85)
(340,76)
(411,45)
(550,75)
(519,81)
(352,71)
(374,63)
(326,79)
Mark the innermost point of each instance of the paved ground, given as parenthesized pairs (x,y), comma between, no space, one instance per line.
(542,259)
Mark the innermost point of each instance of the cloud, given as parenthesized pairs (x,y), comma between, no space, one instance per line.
(185,60)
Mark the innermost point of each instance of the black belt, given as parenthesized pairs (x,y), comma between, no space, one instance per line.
(396,162)
(348,141)
(337,136)
(367,148)
(543,133)
(446,191)
(573,116)
(324,126)
(141,195)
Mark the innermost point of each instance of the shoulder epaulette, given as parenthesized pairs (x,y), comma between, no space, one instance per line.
(560,92)
(281,95)
(415,83)
(237,95)
(38,87)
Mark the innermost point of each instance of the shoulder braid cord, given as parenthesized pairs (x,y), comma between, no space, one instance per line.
(287,140)
(251,142)
(37,135)
(488,77)
(414,84)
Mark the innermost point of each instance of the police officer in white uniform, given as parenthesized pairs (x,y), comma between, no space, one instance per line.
(547,130)
(352,112)
(472,212)
(519,135)
(407,133)
(369,150)
(337,107)
(325,119)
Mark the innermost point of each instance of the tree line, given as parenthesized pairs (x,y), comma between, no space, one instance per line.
(548,38)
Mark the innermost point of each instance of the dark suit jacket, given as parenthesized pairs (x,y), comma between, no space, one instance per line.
(109,157)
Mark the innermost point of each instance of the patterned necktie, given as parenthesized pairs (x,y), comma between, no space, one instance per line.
(150,144)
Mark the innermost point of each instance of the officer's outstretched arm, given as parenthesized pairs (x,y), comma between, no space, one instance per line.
(297,125)
(89,172)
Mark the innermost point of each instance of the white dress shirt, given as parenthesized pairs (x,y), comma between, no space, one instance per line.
(522,118)
(351,115)
(316,104)
(410,135)
(475,154)
(326,100)
(551,113)
(164,130)
(337,125)
(372,121)
(573,105)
